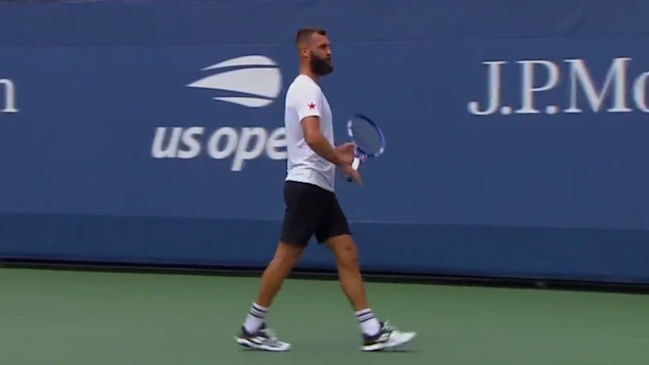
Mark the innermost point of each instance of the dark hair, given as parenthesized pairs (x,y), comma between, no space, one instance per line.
(304,33)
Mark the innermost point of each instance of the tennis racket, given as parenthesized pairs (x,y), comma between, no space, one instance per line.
(368,138)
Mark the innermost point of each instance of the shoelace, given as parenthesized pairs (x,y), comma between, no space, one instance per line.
(271,336)
(388,326)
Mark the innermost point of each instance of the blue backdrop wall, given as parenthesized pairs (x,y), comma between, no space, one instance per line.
(152,132)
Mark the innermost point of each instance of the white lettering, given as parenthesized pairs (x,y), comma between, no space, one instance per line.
(242,145)
(243,153)
(9,97)
(640,92)
(192,143)
(158,150)
(231,137)
(617,75)
(276,141)
(493,90)
(528,88)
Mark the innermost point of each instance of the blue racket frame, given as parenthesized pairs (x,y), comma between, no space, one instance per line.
(361,155)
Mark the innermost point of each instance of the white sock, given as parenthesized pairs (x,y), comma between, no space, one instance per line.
(255,318)
(369,324)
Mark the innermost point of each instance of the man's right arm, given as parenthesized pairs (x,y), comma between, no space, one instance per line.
(306,103)
(318,143)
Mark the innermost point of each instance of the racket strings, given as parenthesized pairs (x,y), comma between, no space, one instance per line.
(366,137)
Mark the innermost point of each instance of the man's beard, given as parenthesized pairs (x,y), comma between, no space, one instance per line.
(320,66)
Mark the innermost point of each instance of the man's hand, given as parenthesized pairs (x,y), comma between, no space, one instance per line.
(346,157)
(341,156)
(346,153)
(349,171)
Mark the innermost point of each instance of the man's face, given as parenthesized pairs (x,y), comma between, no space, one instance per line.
(320,55)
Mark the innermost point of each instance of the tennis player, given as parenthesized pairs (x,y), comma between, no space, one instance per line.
(311,204)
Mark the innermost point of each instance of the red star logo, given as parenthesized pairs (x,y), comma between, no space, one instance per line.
(311,105)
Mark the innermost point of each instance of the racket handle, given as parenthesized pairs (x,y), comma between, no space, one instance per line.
(355,163)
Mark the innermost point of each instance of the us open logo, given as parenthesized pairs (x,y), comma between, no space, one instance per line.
(252,81)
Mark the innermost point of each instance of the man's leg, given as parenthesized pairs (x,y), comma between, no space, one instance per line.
(254,333)
(334,231)
(376,335)
(302,212)
(286,255)
(351,281)
(349,272)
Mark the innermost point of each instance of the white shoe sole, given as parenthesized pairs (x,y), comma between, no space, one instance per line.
(392,344)
(243,342)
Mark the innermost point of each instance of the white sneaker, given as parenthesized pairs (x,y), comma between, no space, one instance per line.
(389,337)
(265,339)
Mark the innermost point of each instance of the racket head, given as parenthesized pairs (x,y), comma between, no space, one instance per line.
(366,135)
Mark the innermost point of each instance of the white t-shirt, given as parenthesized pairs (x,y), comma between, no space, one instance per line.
(305,98)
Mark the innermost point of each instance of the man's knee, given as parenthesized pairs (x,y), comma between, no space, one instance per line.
(351,255)
(287,254)
(345,250)
(348,250)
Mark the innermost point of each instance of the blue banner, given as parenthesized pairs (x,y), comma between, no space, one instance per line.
(506,156)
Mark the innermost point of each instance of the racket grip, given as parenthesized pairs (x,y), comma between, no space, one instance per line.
(355,163)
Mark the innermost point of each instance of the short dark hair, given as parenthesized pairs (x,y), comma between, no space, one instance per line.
(304,33)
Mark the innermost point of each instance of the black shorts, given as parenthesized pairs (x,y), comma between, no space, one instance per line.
(311,210)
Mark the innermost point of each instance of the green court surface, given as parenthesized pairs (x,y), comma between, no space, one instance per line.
(90,318)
